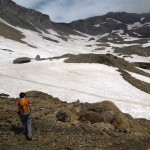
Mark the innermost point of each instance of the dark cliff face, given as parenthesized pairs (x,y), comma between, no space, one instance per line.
(97,25)
(23,17)
(113,21)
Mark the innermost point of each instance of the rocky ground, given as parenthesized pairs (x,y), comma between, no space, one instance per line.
(72,126)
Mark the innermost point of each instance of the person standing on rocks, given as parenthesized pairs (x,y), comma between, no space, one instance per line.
(24,112)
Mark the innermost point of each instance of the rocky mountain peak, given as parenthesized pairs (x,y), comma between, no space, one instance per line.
(23,17)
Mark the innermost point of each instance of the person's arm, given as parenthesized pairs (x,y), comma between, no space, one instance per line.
(18,107)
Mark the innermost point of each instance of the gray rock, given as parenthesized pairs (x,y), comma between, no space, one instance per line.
(22,60)
(37,57)
(23,17)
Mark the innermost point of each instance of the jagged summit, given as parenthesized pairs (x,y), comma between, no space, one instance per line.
(23,17)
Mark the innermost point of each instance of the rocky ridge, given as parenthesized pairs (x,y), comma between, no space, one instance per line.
(113,21)
(23,17)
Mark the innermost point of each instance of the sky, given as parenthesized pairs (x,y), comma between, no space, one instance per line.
(70,10)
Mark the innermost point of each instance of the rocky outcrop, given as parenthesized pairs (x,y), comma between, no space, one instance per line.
(134,50)
(22,60)
(97,25)
(59,127)
(23,17)
(108,112)
(4,95)
(67,116)
(143,65)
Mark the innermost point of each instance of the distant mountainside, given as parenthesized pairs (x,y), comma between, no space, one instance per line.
(23,17)
(28,18)
(113,30)
(115,21)
(31,19)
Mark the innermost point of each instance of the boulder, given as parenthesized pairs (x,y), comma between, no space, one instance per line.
(91,39)
(107,112)
(91,116)
(107,105)
(76,110)
(101,107)
(22,60)
(108,116)
(125,123)
(37,57)
(4,95)
(67,116)
(63,116)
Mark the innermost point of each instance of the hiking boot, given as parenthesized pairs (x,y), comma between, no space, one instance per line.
(29,139)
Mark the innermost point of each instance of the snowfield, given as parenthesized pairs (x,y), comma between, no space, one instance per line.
(69,82)
(87,82)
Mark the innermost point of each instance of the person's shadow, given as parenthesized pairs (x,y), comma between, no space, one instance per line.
(16,129)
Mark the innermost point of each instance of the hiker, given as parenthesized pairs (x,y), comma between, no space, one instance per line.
(24,112)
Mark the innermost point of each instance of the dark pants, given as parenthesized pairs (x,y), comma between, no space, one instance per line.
(27,122)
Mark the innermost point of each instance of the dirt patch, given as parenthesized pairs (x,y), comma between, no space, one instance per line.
(143,65)
(143,86)
(49,39)
(12,34)
(137,50)
(7,50)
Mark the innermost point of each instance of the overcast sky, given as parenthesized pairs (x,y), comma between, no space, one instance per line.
(69,10)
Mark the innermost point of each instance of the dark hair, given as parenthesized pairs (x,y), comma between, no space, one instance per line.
(22,95)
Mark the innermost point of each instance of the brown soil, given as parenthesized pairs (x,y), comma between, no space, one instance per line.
(143,86)
(57,135)
(11,33)
(138,50)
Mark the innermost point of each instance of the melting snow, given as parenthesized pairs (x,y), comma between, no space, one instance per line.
(121,45)
(69,82)
(140,77)
(142,18)
(97,25)
(114,20)
(146,44)
(135,25)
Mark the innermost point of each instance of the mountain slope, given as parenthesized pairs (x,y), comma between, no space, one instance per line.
(128,22)
(22,17)
(28,33)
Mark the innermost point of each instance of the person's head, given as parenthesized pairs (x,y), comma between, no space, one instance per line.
(22,95)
